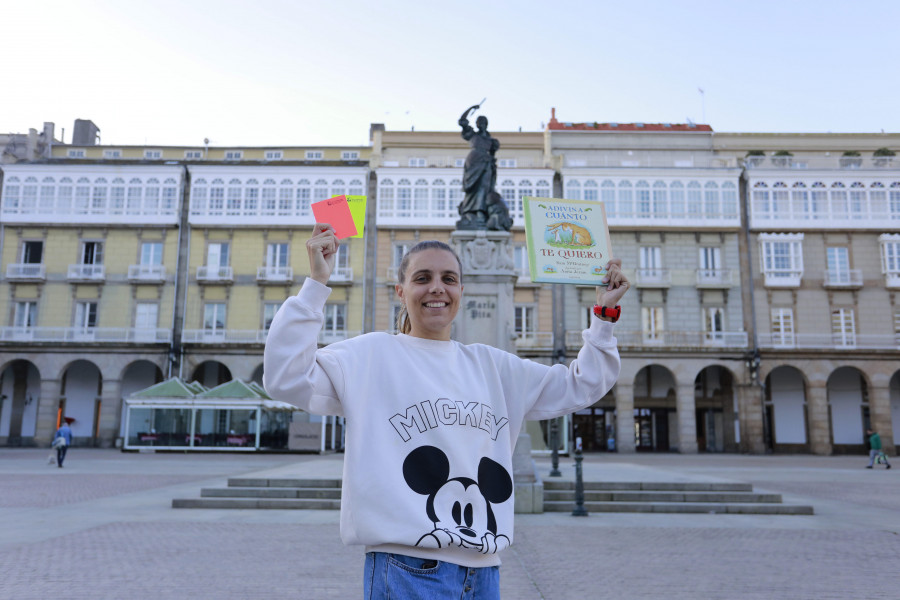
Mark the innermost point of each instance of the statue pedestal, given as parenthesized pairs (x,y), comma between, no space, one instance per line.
(486,317)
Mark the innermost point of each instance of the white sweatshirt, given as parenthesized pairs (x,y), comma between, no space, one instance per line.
(431,425)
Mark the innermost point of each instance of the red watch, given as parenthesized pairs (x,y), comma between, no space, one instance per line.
(610,313)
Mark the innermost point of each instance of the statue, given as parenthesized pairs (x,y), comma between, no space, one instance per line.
(482,207)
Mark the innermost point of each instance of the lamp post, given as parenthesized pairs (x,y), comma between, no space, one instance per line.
(554,447)
(579,510)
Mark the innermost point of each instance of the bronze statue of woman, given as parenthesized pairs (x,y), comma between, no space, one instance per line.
(479,173)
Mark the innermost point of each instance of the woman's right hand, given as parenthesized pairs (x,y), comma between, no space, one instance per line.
(322,249)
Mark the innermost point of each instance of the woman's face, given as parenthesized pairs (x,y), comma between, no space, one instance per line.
(431,291)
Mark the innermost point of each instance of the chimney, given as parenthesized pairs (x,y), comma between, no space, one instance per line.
(86,133)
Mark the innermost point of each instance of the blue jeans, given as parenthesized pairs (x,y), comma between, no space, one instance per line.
(399,577)
(61,454)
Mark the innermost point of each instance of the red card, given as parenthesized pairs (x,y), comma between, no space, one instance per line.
(336,212)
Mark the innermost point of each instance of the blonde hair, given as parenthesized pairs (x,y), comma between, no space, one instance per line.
(403,324)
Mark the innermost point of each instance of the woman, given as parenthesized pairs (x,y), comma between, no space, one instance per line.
(431,423)
(479,171)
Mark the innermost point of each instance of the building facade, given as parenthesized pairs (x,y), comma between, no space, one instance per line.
(765,267)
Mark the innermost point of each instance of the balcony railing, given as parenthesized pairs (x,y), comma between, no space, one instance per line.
(147,273)
(207,274)
(783,279)
(653,278)
(250,336)
(86,273)
(26,272)
(829,341)
(892,280)
(682,339)
(391,274)
(85,334)
(714,278)
(268,274)
(538,339)
(341,275)
(851,278)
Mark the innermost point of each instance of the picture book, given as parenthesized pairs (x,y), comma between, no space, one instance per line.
(568,240)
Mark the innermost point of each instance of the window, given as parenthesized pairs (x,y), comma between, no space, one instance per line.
(32,253)
(85,315)
(146,315)
(214,318)
(782,258)
(890,254)
(314,155)
(342,260)
(399,250)
(524,321)
(112,154)
(269,310)
(897,328)
(650,264)
(349,155)
(335,319)
(783,326)
(652,323)
(710,261)
(234,155)
(25,314)
(838,261)
(92,253)
(153,154)
(277,255)
(76,153)
(714,323)
(520,258)
(417,162)
(151,253)
(392,324)
(217,255)
(507,163)
(193,154)
(642,195)
(843,327)
(274,154)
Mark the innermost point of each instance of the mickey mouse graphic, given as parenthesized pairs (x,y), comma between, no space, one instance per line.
(459,508)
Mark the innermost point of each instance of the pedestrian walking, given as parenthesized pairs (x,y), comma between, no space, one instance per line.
(876,453)
(431,423)
(61,441)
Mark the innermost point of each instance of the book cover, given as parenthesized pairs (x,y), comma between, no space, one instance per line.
(568,240)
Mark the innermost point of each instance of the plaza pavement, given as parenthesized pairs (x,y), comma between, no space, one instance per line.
(103,528)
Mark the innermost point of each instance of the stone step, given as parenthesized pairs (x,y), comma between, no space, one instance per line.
(282,483)
(662,486)
(683,507)
(272,492)
(257,503)
(655,496)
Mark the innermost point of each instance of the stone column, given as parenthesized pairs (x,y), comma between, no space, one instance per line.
(687,419)
(48,405)
(110,413)
(750,415)
(819,433)
(625,418)
(880,416)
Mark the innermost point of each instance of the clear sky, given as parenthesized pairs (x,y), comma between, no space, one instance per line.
(307,72)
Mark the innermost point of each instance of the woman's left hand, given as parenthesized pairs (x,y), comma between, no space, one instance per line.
(617,284)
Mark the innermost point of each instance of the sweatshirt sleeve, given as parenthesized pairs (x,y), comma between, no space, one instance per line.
(294,369)
(549,392)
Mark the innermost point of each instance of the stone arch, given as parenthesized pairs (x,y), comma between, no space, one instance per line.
(848,406)
(257,374)
(137,375)
(20,392)
(715,402)
(786,419)
(655,416)
(211,373)
(81,387)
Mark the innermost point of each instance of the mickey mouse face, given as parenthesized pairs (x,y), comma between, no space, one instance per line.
(459,506)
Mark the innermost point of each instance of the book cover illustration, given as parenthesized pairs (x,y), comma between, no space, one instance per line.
(568,240)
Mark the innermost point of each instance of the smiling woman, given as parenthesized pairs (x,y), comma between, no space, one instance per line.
(431,293)
(431,423)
